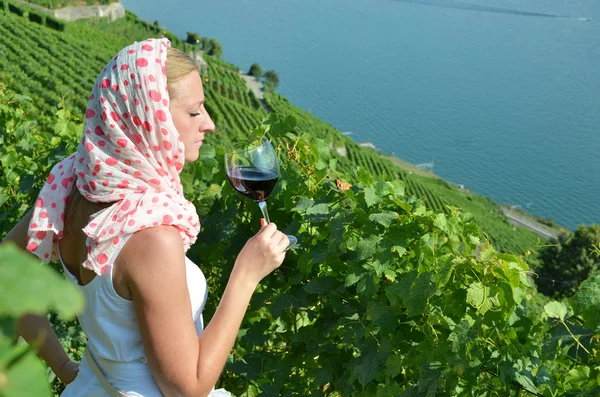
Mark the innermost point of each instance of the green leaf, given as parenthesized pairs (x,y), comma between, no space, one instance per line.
(586,302)
(397,293)
(366,367)
(303,204)
(364,176)
(429,381)
(441,223)
(320,286)
(556,310)
(394,365)
(526,382)
(25,378)
(371,197)
(391,389)
(462,335)
(319,209)
(476,294)
(579,374)
(28,286)
(422,289)
(379,313)
(352,279)
(367,247)
(384,218)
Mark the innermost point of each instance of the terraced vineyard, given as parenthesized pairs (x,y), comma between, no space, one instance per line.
(373,263)
(61,65)
(437,193)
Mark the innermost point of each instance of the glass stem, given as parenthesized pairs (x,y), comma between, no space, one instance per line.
(263,208)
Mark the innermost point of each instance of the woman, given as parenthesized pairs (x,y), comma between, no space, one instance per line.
(114,215)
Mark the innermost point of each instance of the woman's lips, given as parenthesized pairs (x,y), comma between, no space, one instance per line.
(199,142)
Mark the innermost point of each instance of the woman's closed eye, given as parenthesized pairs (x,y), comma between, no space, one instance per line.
(195,114)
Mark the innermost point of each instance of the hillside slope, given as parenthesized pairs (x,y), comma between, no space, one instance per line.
(55,65)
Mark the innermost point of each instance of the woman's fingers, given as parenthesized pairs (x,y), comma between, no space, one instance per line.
(284,241)
(268,231)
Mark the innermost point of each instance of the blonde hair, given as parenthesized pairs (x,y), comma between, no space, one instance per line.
(179,65)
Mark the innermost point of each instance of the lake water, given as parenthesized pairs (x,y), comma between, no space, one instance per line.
(502,96)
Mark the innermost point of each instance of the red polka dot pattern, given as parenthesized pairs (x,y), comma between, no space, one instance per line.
(125,157)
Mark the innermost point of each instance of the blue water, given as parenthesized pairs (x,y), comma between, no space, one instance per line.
(503,96)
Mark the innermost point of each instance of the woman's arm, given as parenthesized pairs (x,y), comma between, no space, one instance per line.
(182,363)
(36,329)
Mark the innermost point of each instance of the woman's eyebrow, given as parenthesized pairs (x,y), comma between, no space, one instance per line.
(197,103)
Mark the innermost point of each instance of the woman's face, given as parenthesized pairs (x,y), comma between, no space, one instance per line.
(190,117)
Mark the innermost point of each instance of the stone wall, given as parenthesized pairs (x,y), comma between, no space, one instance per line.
(199,60)
(112,11)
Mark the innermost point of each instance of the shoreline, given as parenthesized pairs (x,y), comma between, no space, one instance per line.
(516,215)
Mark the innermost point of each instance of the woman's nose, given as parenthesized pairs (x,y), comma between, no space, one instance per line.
(208,124)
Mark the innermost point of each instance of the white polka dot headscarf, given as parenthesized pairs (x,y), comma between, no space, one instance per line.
(130,154)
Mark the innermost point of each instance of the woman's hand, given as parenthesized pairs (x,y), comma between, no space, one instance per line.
(68,372)
(262,254)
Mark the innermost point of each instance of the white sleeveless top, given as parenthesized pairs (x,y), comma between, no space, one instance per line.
(110,324)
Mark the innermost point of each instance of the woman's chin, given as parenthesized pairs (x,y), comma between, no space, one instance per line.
(192,157)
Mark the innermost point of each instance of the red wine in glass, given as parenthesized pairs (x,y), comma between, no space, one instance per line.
(253,182)
(253,171)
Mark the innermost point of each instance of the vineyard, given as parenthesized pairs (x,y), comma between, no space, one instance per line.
(402,285)
(68,77)
(437,193)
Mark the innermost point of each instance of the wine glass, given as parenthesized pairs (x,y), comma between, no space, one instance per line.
(253,171)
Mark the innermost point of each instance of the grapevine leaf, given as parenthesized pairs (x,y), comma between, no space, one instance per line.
(321,165)
(379,313)
(543,377)
(45,289)
(563,338)
(319,209)
(422,289)
(399,250)
(320,286)
(22,378)
(364,176)
(462,335)
(367,247)
(397,293)
(371,197)
(556,310)
(441,223)
(323,375)
(442,277)
(579,374)
(281,303)
(586,302)
(526,382)
(476,294)
(388,390)
(420,210)
(429,381)
(367,285)
(384,218)
(366,367)
(412,391)
(336,235)
(303,204)
(394,365)
(352,279)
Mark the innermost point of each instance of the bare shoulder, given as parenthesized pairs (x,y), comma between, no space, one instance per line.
(18,234)
(154,250)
